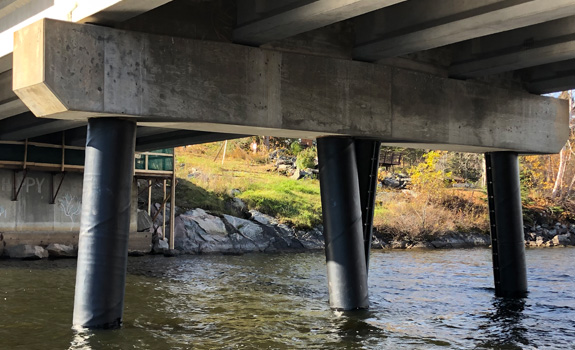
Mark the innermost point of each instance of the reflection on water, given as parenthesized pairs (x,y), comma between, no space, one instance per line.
(504,326)
(419,300)
(81,340)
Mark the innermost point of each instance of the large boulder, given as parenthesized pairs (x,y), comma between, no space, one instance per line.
(281,238)
(263,218)
(391,182)
(209,223)
(312,239)
(299,174)
(199,232)
(250,231)
(26,251)
(160,246)
(562,239)
(144,221)
(56,250)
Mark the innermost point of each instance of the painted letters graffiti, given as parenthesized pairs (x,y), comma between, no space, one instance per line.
(30,184)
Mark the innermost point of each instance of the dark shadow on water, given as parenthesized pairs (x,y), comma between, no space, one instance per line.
(354,330)
(503,327)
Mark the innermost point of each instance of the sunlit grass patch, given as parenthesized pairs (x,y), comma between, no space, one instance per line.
(291,201)
(208,184)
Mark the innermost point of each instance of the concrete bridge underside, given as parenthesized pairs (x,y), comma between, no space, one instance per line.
(443,74)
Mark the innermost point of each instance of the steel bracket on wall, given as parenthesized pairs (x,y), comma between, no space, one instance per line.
(16,191)
(53,194)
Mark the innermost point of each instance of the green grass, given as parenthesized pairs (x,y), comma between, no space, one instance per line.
(190,196)
(292,202)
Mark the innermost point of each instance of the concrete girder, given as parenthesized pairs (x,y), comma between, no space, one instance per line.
(516,49)
(178,138)
(422,25)
(16,14)
(6,62)
(26,125)
(303,18)
(516,60)
(89,71)
(550,85)
(10,104)
(147,138)
(553,77)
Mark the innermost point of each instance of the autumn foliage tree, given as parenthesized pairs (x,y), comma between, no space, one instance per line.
(553,176)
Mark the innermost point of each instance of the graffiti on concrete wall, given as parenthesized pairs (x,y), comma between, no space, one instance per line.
(30,184)
(33,183)
(70,206)
(2,211)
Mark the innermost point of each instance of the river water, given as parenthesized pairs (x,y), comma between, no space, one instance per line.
(419,300)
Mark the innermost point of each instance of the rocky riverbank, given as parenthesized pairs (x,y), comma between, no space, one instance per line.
(201,232)
(545,235)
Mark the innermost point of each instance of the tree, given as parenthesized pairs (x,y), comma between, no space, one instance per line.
(468,166)
(552,176)
(429,182)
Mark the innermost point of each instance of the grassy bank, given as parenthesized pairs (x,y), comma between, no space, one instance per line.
(207,183)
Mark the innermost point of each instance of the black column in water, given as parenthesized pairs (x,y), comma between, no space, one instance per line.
(343,232)
(367,157)
(506,219)
(105,223)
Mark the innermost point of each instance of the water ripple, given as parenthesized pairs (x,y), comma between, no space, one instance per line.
(419,300)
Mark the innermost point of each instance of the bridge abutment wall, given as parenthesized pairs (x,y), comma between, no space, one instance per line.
(31,219)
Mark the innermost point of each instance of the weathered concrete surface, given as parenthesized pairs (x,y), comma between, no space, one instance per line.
(33,220)
(144,221)
(32,211)
(72,71)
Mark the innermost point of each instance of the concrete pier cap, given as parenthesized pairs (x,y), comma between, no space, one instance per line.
(75,71)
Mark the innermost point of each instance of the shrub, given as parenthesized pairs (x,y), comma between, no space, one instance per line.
(416,220)
(426,179)
(295,148)
(306,158)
